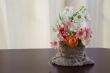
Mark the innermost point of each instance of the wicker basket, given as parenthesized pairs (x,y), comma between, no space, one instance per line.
(71,57)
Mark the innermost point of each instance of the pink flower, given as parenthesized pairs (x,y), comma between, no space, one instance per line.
(84,33)
(63,31)
(54,44)
(69,23)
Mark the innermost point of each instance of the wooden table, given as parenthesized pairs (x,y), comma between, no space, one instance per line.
(36,61)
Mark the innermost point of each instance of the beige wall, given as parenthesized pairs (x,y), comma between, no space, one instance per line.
(28,23)
(4,37)
(106,24)
(56,6)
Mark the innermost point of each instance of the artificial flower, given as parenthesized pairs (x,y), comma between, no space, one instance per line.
(54,44)
(73,41)
(67,13)
(84,33)
(62,31)
(70,24)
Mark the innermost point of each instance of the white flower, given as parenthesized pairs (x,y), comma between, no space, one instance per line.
(67,13)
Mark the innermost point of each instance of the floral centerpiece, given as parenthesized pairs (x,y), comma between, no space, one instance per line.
(73,35)
(71,29)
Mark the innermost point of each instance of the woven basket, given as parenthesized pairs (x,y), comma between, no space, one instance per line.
(71,57)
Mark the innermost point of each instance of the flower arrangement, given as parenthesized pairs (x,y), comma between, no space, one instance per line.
(71,29)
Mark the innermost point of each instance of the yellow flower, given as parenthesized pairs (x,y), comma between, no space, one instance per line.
(79,16)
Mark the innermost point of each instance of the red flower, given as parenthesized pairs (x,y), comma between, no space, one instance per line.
(63,32)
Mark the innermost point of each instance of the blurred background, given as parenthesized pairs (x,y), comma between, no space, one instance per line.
(28,23)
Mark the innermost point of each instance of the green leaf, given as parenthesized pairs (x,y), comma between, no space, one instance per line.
(58,35)
(54,29)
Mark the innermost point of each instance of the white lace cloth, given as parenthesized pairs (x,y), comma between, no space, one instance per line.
(78,57)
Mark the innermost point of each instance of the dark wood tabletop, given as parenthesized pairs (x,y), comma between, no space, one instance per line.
(36,61)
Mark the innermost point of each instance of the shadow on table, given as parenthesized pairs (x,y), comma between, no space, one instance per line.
(62,69)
